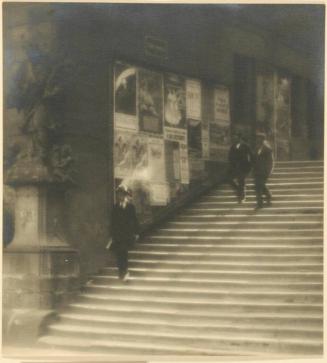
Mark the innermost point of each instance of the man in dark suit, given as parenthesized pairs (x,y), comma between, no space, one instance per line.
(262,167)
(240,163)
(125,229)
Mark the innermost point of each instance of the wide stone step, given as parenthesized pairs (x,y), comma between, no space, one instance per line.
(298,185)
(240,209)
(226,285)
(252,203)
(182,326)
(121,348)
(247,224)
(252,198)
(199,341)
(288,192)
(297,173)
(298,163)
(215,248)
(232,232)
(230,256)
(205,270)
(169,313)
(198,304)
(205,294)
(244,217)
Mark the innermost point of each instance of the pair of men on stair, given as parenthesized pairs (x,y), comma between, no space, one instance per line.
(242,160)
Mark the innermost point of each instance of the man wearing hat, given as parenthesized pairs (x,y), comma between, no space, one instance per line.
(125,229)
(262,167)
(240,163)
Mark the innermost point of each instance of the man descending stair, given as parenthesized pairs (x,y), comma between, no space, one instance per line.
(240,163)
(262,167)
(217,279)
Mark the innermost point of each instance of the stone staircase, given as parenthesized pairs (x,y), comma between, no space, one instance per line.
(218,279)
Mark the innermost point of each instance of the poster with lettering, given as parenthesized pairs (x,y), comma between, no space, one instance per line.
(221,104)
(159,194)
(219,140)
(220,125)
(197,168)
(130,155)
(208,111)
(193,99)
(283,116)
(156,155)
(184,164)
(174,102)
(125,97)
(265,105)
(150,101)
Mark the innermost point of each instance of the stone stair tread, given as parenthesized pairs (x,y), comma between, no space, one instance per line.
(219,278)
(178,322)
(164,289)
(234,246)
(173,312)
(154,279)
(188,301)
(231,272)
(87,343)
(145,333)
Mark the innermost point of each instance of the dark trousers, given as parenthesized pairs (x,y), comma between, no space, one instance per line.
(122,260)
(261,189)
(239,187)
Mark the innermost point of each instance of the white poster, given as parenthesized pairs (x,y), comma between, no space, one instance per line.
(193,99)
(175,134)
(184,165)
(130,155)
(221,104)
(125,97)
(156,155)
(159,194)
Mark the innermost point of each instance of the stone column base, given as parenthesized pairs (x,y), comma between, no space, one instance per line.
(36,281)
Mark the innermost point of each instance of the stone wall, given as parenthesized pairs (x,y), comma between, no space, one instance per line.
(90,38)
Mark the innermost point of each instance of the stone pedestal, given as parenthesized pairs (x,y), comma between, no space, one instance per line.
(40,270)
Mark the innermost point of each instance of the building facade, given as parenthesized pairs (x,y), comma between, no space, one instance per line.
(99,95)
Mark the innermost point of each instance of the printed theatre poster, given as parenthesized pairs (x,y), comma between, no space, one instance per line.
(125,97)
(175,108)
(193,115)
(220,125)
(150,101)
(130,156)
(283,117)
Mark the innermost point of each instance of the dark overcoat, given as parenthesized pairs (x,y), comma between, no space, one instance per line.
(124,226)
(240,159)
(263,163)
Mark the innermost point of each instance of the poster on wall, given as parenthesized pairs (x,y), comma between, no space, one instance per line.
(130,155)
(125,97)
(159,194)
(221,104)
(156,157)
(172,161)
(177,135)
(174,101)
(184,164)
(207,106)
(265,106)
(283,116)
(197,168)
(193,99)
(220,125)
(150,101)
